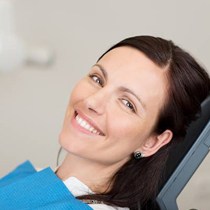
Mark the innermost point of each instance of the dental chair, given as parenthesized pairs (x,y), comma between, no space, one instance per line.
(185,159)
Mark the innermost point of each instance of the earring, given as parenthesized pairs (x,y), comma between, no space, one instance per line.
(137,155)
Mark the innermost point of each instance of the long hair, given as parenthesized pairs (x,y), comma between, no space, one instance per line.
(137,181)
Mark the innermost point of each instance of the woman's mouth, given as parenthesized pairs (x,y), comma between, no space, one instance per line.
(86,125)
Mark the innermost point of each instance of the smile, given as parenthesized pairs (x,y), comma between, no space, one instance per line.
(85,125)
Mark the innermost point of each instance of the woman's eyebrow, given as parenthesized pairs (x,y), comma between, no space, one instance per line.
(122,88)
(104,72)
(125,89)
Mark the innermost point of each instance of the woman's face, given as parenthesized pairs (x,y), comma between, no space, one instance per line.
(112,110)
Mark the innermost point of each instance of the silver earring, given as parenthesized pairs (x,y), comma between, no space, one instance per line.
(137,155)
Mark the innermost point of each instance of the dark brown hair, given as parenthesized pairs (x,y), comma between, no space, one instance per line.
(137,181)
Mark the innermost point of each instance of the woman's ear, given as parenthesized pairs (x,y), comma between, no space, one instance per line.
(155,142)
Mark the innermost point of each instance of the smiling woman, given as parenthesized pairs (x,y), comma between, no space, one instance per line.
(117,103)
(123,116)
(122,119)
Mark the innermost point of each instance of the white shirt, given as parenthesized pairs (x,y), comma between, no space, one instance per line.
(77,188)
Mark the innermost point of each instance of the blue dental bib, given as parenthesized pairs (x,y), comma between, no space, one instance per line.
(25,188)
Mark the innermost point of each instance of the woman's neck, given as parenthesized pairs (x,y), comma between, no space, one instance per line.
(96,176)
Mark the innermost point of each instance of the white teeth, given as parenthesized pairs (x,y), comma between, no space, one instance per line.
(86,125)
(83,123)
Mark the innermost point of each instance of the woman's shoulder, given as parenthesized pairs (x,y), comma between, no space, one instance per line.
(78,188)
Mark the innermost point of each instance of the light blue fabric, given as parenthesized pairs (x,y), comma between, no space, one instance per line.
(25,188)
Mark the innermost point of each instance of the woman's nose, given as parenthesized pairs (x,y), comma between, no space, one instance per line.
(97,102)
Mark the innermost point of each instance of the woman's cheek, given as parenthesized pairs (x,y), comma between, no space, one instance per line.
(78,91)
(82,90)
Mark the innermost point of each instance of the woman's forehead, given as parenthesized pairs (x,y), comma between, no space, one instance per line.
(130,65)
(126,56)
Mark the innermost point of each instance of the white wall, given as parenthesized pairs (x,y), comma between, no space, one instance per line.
(33,100)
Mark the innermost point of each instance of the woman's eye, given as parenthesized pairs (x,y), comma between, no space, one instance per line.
(128,104)
(96,79)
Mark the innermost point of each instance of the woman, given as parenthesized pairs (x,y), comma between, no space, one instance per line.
(141,93)
(136,101)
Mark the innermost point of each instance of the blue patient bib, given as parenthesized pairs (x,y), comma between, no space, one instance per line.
(24,188)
